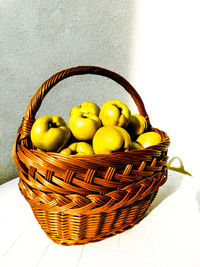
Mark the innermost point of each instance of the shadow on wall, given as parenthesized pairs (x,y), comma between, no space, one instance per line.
(198,199)
(61,34)
(167,189)
(170,188)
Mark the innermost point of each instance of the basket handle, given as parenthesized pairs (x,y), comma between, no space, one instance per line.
(37,98)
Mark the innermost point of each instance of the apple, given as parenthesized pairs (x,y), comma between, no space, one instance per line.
(86,107)
(78,148)
(149,139)
(50,133)
(66,151)
(136,146)
(110,139)
(137,125)
(115,113)
(83,125)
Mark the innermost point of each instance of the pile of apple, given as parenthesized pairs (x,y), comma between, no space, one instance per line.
(93,130)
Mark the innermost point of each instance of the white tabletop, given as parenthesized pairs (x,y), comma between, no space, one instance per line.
(168,236)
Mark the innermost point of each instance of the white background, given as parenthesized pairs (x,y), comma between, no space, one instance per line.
(167,69)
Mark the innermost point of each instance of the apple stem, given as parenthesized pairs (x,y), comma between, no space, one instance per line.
(52,125)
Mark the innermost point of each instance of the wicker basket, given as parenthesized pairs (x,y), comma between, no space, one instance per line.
(81,199)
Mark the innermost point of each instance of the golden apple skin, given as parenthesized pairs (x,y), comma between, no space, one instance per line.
(137,125)
(90,107)
(110,139)
(149,139)
(136,146)
(84,126)
(86,107)
(50,133)
(78,148)
(66,151)
(115,113)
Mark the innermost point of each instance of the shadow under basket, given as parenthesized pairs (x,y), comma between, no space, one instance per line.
(82,199)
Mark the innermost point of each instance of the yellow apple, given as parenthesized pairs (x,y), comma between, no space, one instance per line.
(136,146)
(115,113)
(84,126)
(66,151)
(149,139)
(137,125)
(86,107)
(110,139)
(78,148)
(50,133)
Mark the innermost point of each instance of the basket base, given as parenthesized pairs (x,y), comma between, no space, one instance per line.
(96,239)
(66,230)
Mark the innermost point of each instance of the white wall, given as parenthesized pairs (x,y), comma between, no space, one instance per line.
(166,70)
(154,44)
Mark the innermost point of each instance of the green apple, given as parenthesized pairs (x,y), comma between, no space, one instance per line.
(84,125)
(110,139)
(50,133)
(115,113)
(149,139)
(78,148)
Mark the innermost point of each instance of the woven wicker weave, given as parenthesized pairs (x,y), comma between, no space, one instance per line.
(81,199)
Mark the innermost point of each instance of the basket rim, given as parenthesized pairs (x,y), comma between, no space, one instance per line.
(150,149)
